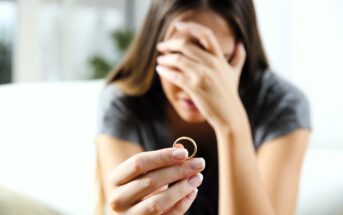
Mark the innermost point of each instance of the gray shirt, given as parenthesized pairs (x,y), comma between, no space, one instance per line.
(275,108)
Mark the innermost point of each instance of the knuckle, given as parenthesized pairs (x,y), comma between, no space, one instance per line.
(116,203)
(163,158)
(208,32)
(136,164)
(217,63)
(182,207)
(202,76)
(213,62)
(177,79)
(178,57)
(199,80)
(148,182)
(179,171)
(183,188)
(196,82)
(112,179)
(153,207)
(183,43)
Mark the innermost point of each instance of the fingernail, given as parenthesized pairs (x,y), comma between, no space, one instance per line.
(180,154)
(196,180)
(159,70)
(197,163)
(179,145)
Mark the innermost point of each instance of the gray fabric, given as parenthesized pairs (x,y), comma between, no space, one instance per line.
(280,108)
(115,119)
(277,109)
(274,107)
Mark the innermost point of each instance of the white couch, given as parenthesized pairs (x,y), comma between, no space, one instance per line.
(47,133)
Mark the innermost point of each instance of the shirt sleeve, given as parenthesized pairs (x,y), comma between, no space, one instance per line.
(114,118)
(285,109)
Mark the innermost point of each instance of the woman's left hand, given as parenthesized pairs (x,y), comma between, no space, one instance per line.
(205,74)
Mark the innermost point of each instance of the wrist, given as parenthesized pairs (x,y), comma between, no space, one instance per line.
(226,130)
(234,121)
(240,125)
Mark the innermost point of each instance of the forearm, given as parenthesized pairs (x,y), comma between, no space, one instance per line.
(226,185)
(241,188)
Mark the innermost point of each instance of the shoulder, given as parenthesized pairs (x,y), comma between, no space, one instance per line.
(114,116)
(282,108)
(280,94)
(132,118)
(113,99)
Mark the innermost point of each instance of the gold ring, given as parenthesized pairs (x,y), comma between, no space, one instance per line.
(190,140)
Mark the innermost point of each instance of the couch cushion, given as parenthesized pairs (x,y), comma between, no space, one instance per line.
(12,203)
(47,142)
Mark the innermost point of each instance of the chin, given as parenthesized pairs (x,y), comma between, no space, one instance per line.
(192,118)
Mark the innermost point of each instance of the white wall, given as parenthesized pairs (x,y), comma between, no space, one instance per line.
(27,40)
(141,7)
(318,65)
(304,42)
(56,38)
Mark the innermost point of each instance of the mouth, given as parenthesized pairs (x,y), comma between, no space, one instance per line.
(189,104)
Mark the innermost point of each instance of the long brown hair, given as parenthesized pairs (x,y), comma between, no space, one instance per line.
(136,75)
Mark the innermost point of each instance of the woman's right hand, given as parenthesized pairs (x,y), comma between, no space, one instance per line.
(136,180)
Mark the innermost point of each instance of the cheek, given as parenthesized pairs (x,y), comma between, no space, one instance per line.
(170,90)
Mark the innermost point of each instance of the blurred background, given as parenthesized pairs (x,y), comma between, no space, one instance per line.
(54,55)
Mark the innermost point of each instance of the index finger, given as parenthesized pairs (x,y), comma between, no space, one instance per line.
(204,35)
(144,162)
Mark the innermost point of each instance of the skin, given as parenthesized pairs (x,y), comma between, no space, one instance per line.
(135,181)
(250,183)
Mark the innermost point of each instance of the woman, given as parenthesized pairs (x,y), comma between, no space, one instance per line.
(197,68)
